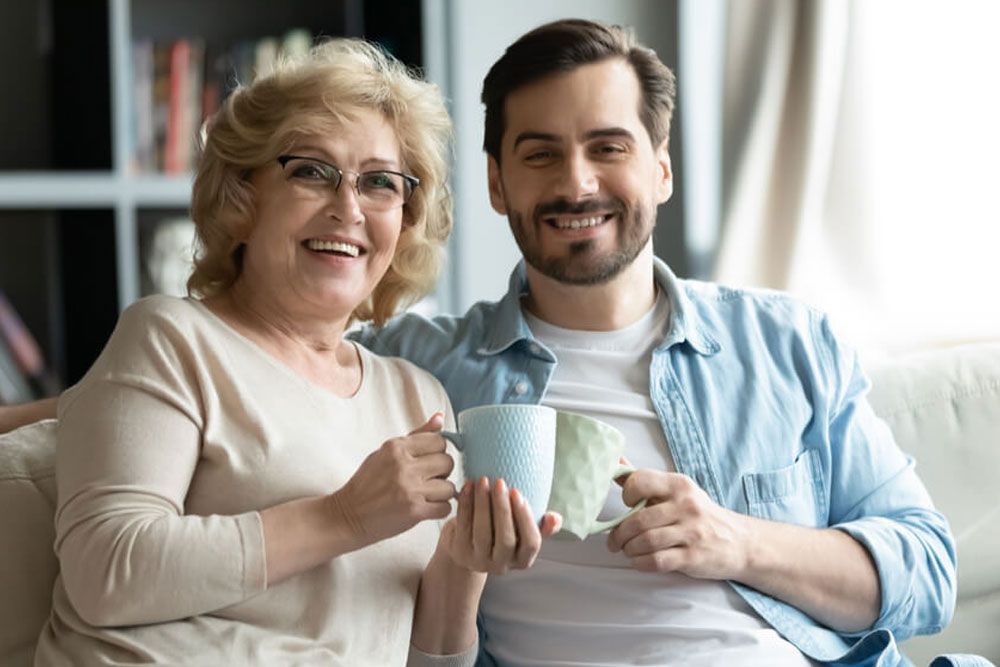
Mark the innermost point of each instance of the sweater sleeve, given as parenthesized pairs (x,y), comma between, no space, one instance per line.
(128,446)
(466,658)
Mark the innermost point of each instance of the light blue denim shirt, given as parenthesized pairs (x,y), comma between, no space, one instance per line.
(765,409)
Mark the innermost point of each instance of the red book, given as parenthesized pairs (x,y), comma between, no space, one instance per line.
(23,346)
(178,134)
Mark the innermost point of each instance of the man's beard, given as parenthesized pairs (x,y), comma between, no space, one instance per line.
(576,268)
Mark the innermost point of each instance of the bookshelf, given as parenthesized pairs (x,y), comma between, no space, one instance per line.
(74,209)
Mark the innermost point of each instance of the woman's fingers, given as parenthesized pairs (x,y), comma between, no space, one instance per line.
(529,538)
(438,464)
(504,534)
(550,524)
(493,529)
(482,522)
(438,490)
(463,518)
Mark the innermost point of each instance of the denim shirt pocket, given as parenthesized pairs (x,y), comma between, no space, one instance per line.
(792,494)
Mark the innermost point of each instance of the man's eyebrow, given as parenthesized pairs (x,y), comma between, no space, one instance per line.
(609,132)
(599,133)
(538,136)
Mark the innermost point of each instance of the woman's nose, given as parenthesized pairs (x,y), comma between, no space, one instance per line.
(345,203)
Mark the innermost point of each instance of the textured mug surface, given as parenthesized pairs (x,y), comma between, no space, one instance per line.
(514,442)
(587,462)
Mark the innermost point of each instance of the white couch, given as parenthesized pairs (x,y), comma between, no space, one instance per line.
(943,406)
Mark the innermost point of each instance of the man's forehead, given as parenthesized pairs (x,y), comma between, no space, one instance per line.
(586,102)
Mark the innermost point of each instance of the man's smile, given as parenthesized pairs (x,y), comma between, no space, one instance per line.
(576,222)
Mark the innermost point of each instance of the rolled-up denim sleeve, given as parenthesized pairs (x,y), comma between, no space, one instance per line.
(878,499)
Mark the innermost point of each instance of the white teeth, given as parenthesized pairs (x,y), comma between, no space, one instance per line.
(334,246)
(580,223)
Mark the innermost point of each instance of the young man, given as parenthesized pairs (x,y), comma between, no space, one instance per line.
(783,525)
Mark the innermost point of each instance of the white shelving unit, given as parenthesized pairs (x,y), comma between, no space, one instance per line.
(57,224)
(119,190)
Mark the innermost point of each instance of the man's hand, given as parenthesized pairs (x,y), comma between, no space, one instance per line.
(681,529)
(493,530)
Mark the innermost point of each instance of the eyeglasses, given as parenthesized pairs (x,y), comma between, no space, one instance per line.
(380,190)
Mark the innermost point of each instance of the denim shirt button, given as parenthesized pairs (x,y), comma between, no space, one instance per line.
(521,388)
(534,350)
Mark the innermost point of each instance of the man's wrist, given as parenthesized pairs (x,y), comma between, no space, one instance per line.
(751,549)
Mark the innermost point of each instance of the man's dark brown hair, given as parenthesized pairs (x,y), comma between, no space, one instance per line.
(562,46)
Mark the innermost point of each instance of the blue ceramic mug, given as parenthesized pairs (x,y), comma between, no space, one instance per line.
(514,442)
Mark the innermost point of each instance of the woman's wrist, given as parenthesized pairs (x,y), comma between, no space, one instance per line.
(343,523)
(454,570)
(445,618)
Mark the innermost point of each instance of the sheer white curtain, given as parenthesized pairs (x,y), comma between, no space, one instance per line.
(860,148)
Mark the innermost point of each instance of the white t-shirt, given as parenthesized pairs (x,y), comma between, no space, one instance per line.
(580,604)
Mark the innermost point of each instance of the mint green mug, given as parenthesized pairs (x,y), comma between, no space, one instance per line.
(587,461)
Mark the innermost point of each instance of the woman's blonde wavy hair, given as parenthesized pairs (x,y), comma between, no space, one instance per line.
(312,96)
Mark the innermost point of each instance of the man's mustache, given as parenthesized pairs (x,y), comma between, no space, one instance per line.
(564,206)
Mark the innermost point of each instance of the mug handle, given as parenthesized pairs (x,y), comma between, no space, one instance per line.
(456,438)
(601,526)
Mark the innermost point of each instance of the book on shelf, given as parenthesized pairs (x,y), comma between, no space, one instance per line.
(179,84)
(23,374)
(14,388)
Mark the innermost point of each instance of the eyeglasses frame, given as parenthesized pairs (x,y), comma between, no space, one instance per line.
(411,180)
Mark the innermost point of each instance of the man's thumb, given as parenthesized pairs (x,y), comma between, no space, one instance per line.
(620,480)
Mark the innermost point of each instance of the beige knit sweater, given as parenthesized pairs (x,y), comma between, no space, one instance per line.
(167,449)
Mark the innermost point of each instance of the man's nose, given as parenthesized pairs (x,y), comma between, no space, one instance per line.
(578,178)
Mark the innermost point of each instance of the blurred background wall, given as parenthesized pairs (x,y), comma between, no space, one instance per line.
(846,151)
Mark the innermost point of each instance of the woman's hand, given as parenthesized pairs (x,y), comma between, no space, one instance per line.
(492,533)
(400,484)
(493,530)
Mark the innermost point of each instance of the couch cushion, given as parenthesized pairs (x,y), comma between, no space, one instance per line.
(28,565)
(944,408)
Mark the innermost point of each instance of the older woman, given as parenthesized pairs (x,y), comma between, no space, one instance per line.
(237,482)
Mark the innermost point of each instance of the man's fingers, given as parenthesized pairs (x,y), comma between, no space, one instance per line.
(653,540)
(668,560)
(653,516)
(653,485)
(621,479)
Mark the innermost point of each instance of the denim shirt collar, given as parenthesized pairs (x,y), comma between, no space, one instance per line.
(509,326)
